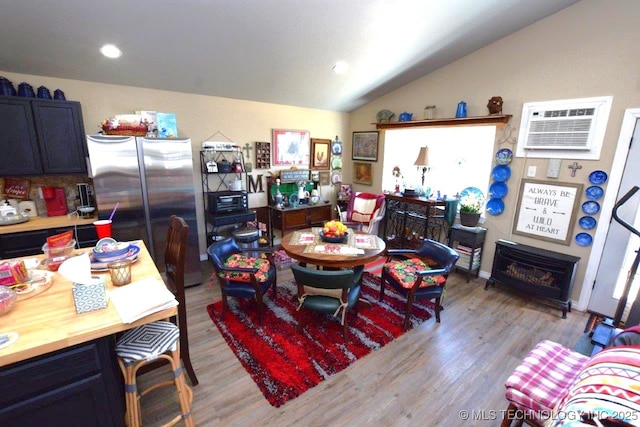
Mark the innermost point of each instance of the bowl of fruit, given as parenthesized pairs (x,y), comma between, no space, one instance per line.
(334,232)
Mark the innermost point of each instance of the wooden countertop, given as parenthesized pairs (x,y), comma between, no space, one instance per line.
(48,322)
(44,223)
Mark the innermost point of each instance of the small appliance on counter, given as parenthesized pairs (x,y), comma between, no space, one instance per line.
(86,208)
(7,209)
(28,207)
(55,200)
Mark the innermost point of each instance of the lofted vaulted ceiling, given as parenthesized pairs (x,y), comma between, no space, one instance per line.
(276,51)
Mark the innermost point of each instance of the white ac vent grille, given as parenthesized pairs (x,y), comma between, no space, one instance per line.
(561,129)
(571,126)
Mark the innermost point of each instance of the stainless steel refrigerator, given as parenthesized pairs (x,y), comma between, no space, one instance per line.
(150,180)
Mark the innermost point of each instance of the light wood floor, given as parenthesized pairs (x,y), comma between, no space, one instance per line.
(424,378)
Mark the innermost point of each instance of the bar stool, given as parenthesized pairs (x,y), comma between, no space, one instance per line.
(144,344)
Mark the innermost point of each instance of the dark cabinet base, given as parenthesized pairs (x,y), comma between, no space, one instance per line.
(79,386)
(29,243)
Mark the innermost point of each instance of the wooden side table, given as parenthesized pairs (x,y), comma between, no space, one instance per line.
(468,242)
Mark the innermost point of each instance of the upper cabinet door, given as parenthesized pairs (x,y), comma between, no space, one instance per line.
(19,153)
(61,136)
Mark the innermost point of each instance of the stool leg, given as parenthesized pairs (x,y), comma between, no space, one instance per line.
(132,403)
(184,391)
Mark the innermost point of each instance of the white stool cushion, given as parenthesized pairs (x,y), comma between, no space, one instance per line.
(148,341)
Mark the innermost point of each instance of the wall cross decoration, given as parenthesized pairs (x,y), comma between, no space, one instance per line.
(247,149)
(574,167)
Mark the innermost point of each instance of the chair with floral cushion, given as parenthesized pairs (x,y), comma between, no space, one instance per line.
(242,276)
(420,274)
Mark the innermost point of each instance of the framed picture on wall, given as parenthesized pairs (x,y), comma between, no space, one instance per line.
(363,173)
(290,147)
(547,210)
(365,146)
(320,153)
(325,178)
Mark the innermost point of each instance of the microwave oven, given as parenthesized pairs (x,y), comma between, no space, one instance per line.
(225,202)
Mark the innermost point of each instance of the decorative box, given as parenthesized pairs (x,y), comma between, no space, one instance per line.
(90,296)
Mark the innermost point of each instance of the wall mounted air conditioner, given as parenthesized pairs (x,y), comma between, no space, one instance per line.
(572,129)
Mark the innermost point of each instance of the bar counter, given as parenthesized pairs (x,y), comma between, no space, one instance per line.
(48,321)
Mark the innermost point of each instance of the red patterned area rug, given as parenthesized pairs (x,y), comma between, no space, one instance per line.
(284,363)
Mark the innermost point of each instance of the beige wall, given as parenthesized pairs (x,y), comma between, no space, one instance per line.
(199,117)
(589,49)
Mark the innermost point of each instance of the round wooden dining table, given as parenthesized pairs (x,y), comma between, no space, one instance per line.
(297,251)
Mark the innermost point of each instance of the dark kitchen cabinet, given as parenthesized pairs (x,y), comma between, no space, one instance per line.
(41,136)
(28,243)
(78,386)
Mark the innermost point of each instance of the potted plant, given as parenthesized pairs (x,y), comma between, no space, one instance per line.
(470,208)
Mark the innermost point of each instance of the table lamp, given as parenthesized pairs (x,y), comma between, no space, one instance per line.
(423,161)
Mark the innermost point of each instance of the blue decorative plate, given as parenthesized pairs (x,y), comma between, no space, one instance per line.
(472,193)
(132,255)
(495,206)
(598,177)
(501,173)
(584,239)
(498,190)
(587,222)
(336,147)
(594,192)
(504,156)
(591,207)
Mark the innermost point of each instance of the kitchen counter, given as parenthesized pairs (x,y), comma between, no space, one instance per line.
(44,223)
(48,322)
(63,364)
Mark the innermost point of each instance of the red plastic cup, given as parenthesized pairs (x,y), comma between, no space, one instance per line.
(103,228)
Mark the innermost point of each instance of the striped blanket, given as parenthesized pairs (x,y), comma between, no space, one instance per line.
(608,388)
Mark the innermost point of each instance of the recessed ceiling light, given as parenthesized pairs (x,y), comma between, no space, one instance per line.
(110,51)
(340,68)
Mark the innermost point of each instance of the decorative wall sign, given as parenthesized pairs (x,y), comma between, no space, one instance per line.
(290,147)
(295,175)
(546,210)
(15,187)
(365,146)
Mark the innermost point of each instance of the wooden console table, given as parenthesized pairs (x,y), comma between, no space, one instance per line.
(409,220)
(303,216)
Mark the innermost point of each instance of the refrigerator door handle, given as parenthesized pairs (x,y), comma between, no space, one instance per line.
(89,168)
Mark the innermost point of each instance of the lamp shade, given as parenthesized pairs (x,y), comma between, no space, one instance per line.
(423,157)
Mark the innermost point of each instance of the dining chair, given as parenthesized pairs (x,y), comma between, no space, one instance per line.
(242,276)
(332,292)
(174,263)
(420,274)
(364,212)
